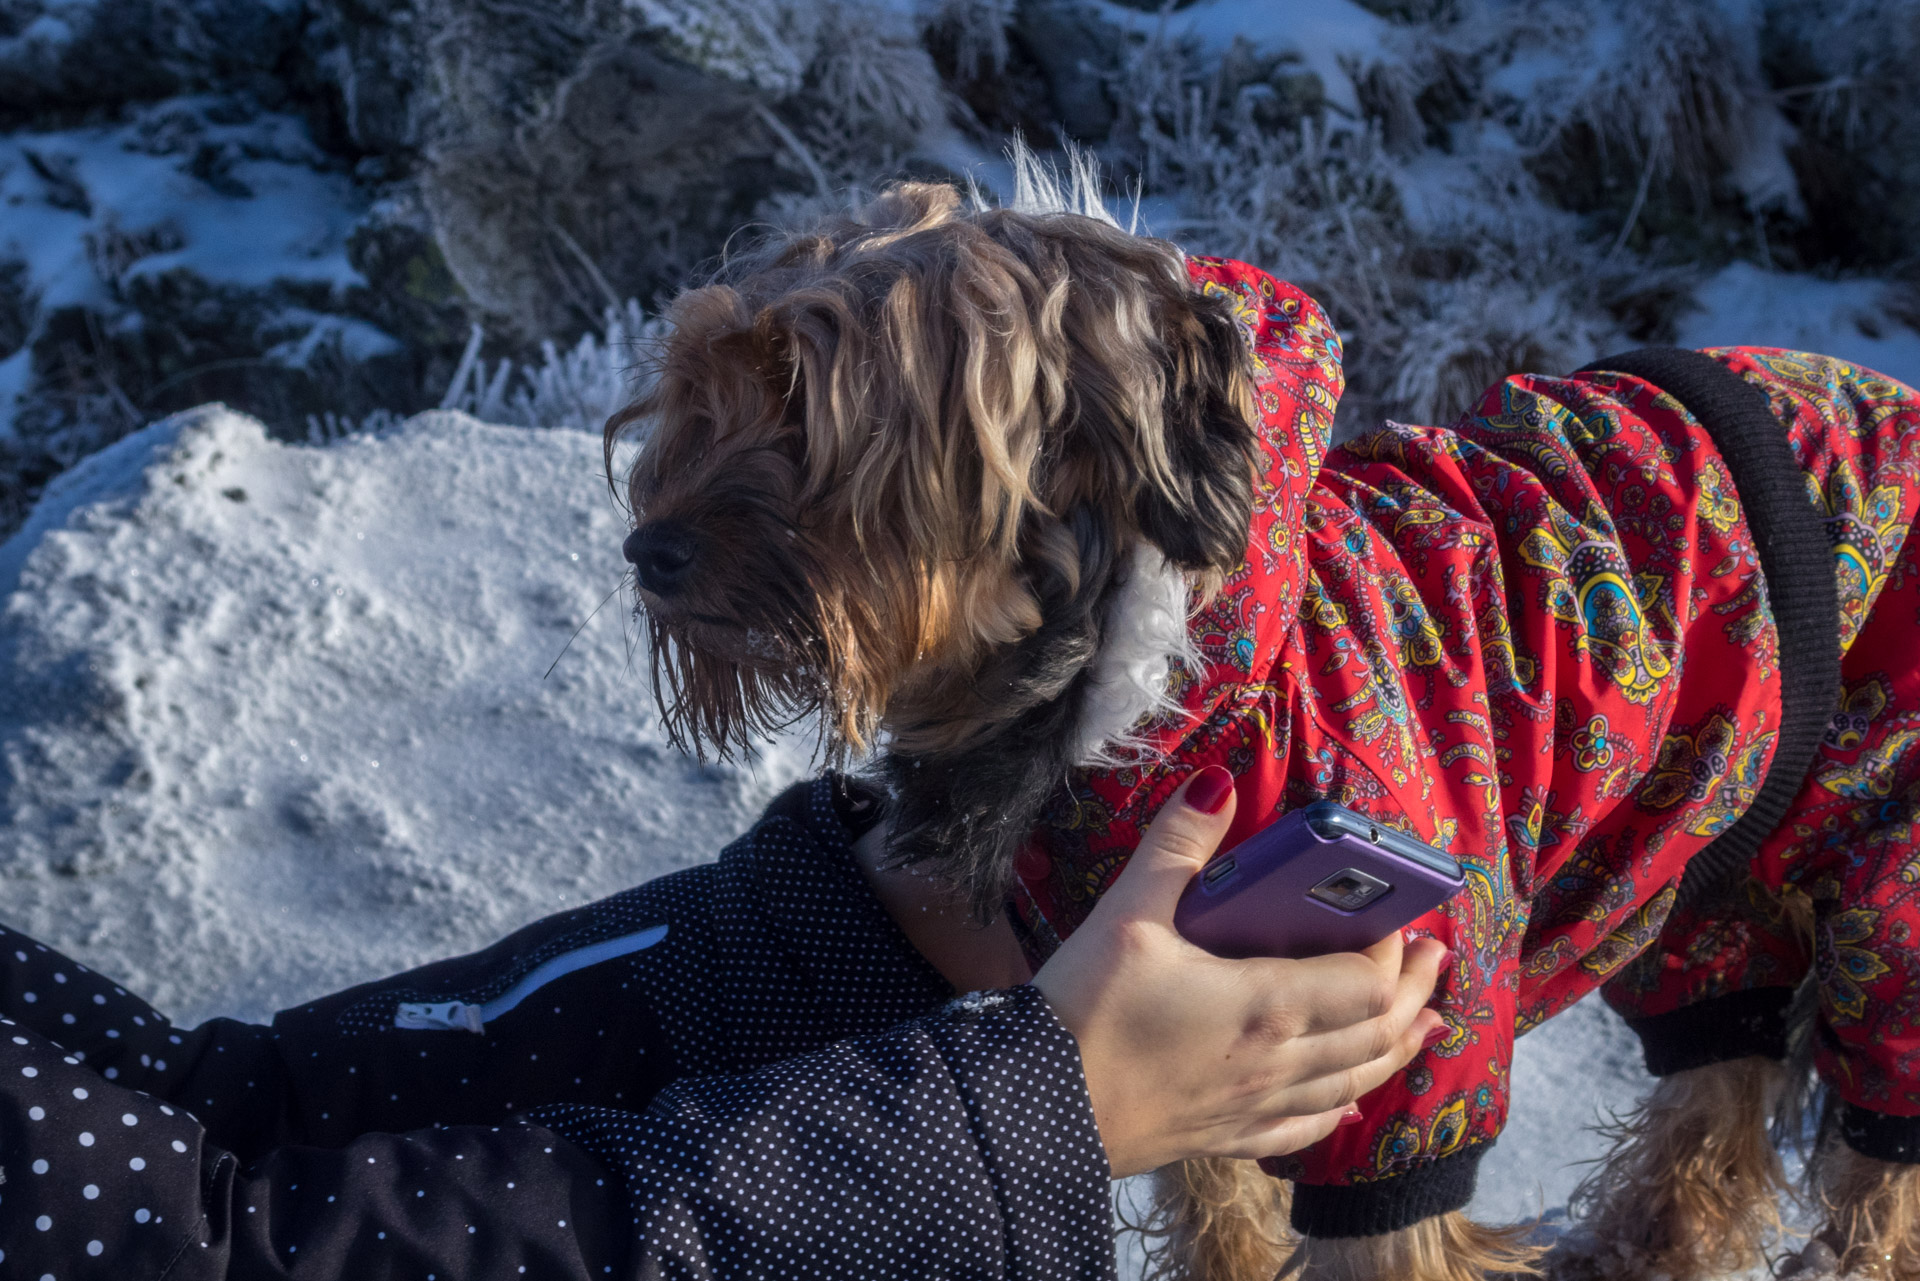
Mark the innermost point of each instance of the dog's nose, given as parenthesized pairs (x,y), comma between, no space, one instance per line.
(662,555)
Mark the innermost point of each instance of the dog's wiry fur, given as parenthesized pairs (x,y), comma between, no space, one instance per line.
(1225,1220)
(1216,1219)
(918,447)
(947,474)
(1872,1212)
(1448,1247)
(1692,1185)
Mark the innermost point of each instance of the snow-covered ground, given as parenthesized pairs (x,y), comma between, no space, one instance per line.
(275,720)
(274,717)
(1742,304)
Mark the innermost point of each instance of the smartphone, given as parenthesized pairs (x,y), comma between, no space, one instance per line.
(1322,879)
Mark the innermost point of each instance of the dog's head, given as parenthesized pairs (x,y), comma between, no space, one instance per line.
(895,468)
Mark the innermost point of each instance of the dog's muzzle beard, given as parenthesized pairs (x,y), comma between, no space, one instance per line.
(736,656)
(745,648)
(722,689)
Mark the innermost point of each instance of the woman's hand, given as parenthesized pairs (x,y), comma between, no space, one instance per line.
(1190,1055)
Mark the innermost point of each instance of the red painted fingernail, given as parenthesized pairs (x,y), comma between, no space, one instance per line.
(1435,1035)
(1448,961)
(1208,790)
(1032,864)
(1270,1165)
(1352,1116)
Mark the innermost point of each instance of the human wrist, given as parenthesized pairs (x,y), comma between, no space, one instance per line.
(1102,1083)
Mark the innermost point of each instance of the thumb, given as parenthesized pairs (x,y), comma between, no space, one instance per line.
(1177,844)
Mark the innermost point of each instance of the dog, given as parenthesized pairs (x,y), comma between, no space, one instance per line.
(1032,515)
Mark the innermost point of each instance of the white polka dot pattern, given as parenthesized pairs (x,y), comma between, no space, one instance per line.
(947,1148)
(881,1135)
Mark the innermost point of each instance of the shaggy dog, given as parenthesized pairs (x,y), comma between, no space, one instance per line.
(1036,516)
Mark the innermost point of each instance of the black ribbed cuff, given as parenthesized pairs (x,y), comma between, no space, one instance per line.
(1882,1137)
(1371,1209)
(1796,562)
(1733,1026)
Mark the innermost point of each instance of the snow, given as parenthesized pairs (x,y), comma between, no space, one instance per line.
(271,213)
(190,185)
(16,372)
(1744,304)
(273,719)
(1764,176)
(1571,1072)
(355,339)
(38,41)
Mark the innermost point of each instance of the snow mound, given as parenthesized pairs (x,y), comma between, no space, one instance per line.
(1847,319)
(273,718)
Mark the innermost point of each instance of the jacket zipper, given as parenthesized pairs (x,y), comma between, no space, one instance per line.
(452,1016)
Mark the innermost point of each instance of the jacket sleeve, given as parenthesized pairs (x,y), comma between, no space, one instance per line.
(103,1180)
(337,1067)
(959,1145)
(224,1070)
(940,1147)
(775,951)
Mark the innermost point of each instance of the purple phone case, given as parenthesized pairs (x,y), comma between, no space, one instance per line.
(1263,905)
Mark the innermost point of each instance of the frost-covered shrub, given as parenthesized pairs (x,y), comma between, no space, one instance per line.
(768,43)
(1432,311)
(1463,339)
(579,387)
(975,31)
(1844,77)
(1673,91)
(1513,187)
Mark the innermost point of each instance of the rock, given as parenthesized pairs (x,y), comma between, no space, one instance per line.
(570,157)
(1073,50)
(638,169)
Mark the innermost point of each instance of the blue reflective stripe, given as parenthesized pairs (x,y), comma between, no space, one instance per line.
(547,971)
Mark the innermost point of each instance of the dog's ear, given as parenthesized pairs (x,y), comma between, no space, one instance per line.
(1199,513)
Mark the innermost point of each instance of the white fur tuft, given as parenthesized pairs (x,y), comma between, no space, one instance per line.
(1040,188)
(1146,633)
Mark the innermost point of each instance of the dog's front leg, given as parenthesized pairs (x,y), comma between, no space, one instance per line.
(1691,1187)
(1217,1219)
(1872,1211)
(1448,1247)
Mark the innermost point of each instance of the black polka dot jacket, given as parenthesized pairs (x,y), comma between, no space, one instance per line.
(740,1070)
